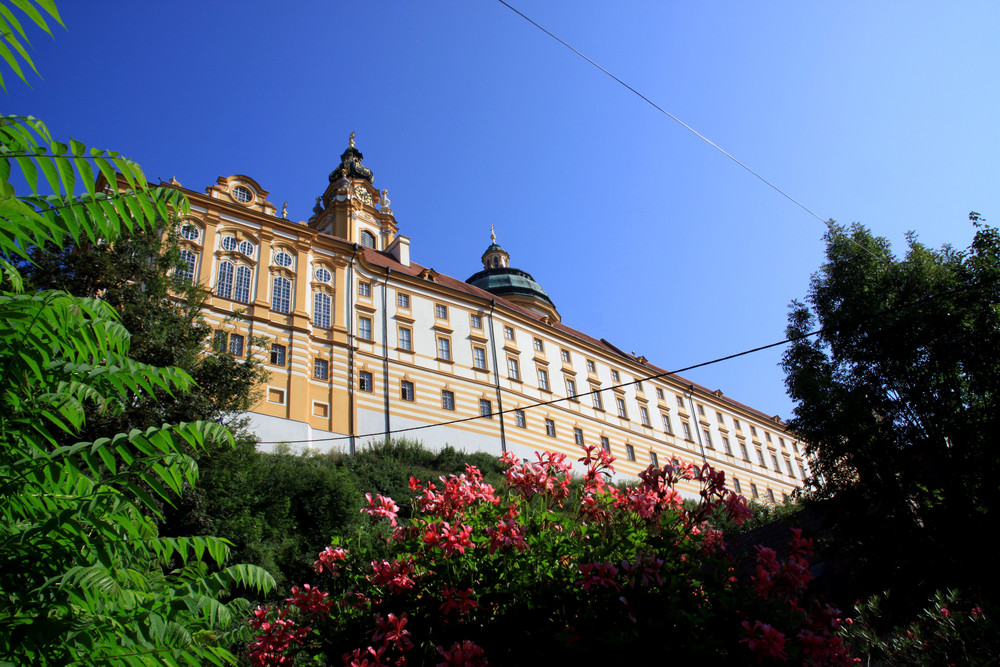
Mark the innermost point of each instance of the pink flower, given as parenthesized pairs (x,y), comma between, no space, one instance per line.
(391,631)
(770,645)
(381,506)
(448,538)
(466,653)
(945,612)
(328,558)
(310,600)
(395,575)
(456,600)
(505,535)
(598,574)
(274,637)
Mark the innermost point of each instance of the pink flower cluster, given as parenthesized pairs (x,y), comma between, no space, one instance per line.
(462,654)
(388,637)
(773,576)
(458,493)
(381,506)
(458,601)
(396,575)
(598,574)
(329,559)
(550,475)
(273,637)
(507,534)
(769,645)
(449,539)
(310,600)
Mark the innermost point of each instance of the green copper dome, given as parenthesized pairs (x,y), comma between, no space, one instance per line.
(507,282)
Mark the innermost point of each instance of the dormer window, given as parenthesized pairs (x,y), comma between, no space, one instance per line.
(367,239)
(242,194)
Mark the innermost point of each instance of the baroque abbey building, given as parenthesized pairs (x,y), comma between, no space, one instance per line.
(362,342)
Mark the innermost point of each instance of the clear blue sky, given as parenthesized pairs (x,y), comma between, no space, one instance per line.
(882,113)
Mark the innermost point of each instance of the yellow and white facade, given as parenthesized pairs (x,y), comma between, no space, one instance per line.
(363,342)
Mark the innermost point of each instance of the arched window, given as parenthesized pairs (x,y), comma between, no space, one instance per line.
(185,272)
(281,294)
(242,194)
(248,248)
(323,275)
(321,310)
(367,239)
(229,243)
(242,292)
(190,232)
(283,259)
(224,283)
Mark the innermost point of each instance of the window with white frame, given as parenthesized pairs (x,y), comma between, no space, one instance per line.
(447,399)
(364,289)
(788,467)
(519,419)
(564,355)
(236,345)
(591,368)
(440,311)
(644,415)
(283,259)
(406,390)
(321,310)
(659,394)
(725,445)
(708,438)
(622,412)
(242,288)
(242,194)
(190,232)
(323,275)
(485,408)
(605,444)
(743,451)
(719,418)
(578,436)
(539,345)
(224,280)
(666,423)
(365,382)
(479,358)
(543,379)
(753,490)
(736,486)
(571,388)
(403,301)
(321,369)
(513,370)
(508,333)
(776,467)
(248,249)
(281,294)
(365,328)
(550,428)
(687,430)
(277,354)
(680,402)
(615,377)
(444,348)
(405,339)
(630,452)
(654,459)
(760,458)
(476,321)
(229,243)
(185,272)
(598,402)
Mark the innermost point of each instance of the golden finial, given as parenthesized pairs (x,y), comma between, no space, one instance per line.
(493,234)
(351,140)
(284,211)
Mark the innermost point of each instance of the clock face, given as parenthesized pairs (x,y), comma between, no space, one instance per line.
(363,195)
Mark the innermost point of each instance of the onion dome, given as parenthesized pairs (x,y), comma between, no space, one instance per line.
(350,165)
(501,279)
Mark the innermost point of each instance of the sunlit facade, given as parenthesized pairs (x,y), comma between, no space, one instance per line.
(361,342)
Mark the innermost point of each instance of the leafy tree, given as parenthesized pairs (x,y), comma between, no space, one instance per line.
(84,575)
(898,399)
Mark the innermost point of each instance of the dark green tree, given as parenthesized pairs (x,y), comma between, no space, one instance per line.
(897,398)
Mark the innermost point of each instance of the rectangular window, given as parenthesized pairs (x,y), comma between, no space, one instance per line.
(321,369)
(447,399)
(405,338)
(403,300)
(770,495)
(774,460)
(654,459)
(591,368)
(564,355)
(659,394)
(444,349)
(760,458)
(615,377)
(736,486)
(644,415)
(743,450)
(321,310)
(539,345)
(701,410)
(485,408)
(364,289)
(281,295)
(277,354)
(630,452)
(802,472)
(224,283)
(519,419)
(550,428)
(365,328)
(795,446)
(508,333)
(638,386)
(365,381)
(476,321)
(781,441)
(687,430)
(788,467)
(708,438)
(719,418)
(578,436)
(753,490)
(220,341)
(185,273)
(666,423)
(513,371)
(479,358)
(753,431)
(440,312)
(622,412)
(767,436)
(605,444)
(571,388)
(680,402)
(543,379)
(736,425)
(725,445)
(236,345)
(406,390)
(598,403)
